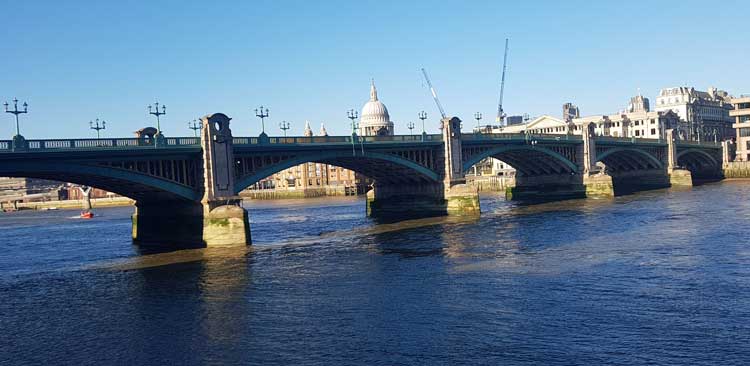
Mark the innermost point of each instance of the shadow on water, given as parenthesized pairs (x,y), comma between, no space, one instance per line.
(187,300)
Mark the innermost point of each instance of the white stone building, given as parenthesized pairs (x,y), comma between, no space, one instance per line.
(741,113)
(706,114)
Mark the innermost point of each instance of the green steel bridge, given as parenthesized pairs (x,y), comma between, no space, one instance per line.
(181,172)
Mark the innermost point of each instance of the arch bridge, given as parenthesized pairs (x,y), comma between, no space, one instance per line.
(186,188)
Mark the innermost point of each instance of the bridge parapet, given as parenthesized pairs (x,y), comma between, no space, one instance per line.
(94,144)
(517,136)
(308,140)
(706,144)
(630,140)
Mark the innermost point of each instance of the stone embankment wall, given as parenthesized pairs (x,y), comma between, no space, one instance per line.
(737,169)
(490,183)
(70,204)
(272,194)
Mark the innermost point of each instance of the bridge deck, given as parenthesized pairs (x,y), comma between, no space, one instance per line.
(48,145)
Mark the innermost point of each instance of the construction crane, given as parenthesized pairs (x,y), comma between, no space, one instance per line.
(434,95)
(500,114)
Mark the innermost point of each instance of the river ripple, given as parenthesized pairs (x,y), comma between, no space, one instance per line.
(661,277)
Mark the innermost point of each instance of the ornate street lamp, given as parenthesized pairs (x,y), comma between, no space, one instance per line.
(154,110)
(284,125)
(195,126)
(353,115)
(262,114)
(16,112)
(19,143)
(410,126)
(423,116)
(96,126)
(478,117)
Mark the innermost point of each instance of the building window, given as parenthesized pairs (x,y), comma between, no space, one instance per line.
(653,131)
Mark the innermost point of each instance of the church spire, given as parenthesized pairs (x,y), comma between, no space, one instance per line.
(308,130)
(373,91)
(323,131)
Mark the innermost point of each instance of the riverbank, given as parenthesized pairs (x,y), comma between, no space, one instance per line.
(71,204)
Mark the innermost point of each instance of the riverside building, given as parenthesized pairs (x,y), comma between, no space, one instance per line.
(705,113)
(741,115)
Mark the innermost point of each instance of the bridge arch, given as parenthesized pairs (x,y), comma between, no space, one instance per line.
(627,159)
(700,163)
(541,160)
(127,183)
(378,166)
(696,155)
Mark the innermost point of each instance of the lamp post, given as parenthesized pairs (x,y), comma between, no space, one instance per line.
(195,126)
(410,126)
(353,115)
(96,126)
(423,116)
(478,117)
(284,125)
(262,114)
(16,112)
(154,110)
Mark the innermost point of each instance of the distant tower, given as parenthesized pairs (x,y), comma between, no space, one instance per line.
(638,103)
(308,130)
(374,119)
(570,111)
(323,131)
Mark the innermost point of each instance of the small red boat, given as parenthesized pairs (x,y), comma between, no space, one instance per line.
(87,215)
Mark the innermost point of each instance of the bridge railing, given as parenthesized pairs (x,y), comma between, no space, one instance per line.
(88,144)
(633,140)
(518,136)
(300,140)
(699,143)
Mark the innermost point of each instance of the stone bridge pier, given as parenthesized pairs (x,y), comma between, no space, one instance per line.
(610,170)
(449,196)
(217,217)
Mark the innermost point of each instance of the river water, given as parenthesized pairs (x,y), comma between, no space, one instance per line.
(660,277)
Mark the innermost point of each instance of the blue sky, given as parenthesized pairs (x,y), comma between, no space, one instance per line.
(77,61)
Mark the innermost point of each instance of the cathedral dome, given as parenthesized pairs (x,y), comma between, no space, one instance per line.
(374,117)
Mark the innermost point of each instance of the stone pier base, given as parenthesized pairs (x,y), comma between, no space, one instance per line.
(462,200)
(226,225)
(681,178)
(190,225)
(599,186)
(422,201)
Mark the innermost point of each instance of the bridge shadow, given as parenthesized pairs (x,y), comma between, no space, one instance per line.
(185,304)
